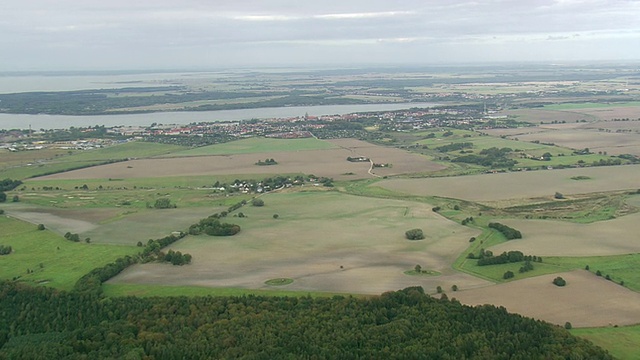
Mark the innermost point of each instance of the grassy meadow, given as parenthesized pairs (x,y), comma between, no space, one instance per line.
(45,258)
(621,342)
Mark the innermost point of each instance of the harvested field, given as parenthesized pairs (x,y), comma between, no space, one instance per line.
(586,300)
(329,163)
(613,143)
(112,226)
(324,241)
(557,238)
(520,185)
(537,116)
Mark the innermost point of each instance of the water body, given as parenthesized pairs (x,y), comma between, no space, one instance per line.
(23,121)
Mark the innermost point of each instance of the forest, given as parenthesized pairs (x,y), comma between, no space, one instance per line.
(40,322)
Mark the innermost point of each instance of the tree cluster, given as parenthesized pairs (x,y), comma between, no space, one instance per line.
(508,232)
(8,184)
(40,322)
(176,258)
(486,257)
(72,237)
(163,203)
(493,157)
(454,146)
(267,162)
(213,227)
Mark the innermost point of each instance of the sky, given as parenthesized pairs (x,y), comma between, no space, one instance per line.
(201,34)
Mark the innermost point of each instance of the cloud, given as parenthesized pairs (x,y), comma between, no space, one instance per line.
(217,32)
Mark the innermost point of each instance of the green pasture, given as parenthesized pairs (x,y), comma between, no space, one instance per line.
(258,145)
(621,342)
(618,267)
(44,258)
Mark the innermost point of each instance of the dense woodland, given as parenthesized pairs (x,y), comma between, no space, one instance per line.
(39,322)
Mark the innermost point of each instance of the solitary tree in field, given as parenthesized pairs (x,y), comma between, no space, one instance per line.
(559,281)
(163,203)
(418,269)
(257,202)
(414,234)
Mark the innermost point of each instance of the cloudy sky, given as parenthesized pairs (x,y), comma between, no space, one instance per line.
(163,34)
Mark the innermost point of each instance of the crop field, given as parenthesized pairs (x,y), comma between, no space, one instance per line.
(257,145)
(520,185)
(324,241)
(613,143)
(46,258)
(557,238)
(586,300)
(330,163)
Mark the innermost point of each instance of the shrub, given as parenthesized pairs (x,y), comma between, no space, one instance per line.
(414,234)
(508,275)
(41,227)
(568,325)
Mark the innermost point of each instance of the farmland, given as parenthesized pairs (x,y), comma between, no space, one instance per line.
(341,228)
(520,185)
(364,246)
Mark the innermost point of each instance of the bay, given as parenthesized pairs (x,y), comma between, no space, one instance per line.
(23,121)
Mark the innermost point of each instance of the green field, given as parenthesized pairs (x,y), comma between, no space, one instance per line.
(44,258)
(621,342)
(257,145)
